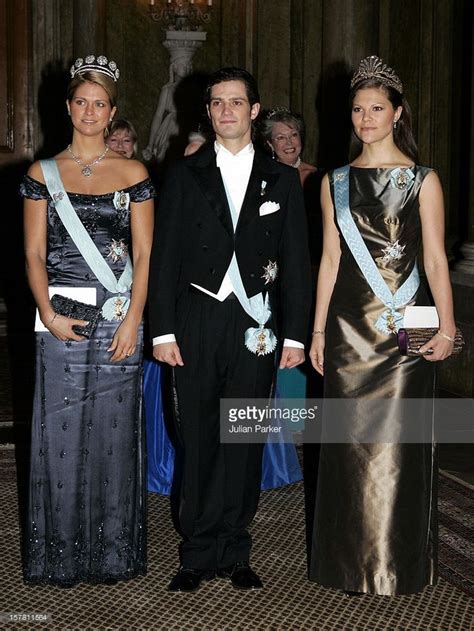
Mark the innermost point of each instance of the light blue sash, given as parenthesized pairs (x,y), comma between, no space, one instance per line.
(116,307)
(260,341)
(390,320)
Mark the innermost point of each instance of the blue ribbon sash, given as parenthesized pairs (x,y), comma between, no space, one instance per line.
(114,308)
(390,320)
(258,340)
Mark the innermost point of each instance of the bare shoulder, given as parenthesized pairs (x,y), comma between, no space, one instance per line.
(431,185)
(36,172)
(136,172)
(131,171)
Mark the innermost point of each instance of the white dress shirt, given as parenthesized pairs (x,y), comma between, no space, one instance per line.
(235,171)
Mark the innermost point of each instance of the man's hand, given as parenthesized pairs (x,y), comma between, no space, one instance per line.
(291,357)
(168,353)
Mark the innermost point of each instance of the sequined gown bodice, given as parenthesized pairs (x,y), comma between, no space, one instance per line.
(107,220)
(363,538)
(86,517)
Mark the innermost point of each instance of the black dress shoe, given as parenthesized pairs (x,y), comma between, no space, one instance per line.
(188,579)
(66,585)
(241,576)
(110,581)
(350,594)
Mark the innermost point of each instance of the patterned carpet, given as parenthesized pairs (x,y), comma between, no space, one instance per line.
(289,601)
(456,533)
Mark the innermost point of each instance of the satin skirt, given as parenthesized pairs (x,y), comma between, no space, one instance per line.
(280,464)
(86,519)
(375,525)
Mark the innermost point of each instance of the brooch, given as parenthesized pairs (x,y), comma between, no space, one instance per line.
(402,179)
(121,200)
(270,272)
(393,252)
(58,196)
(117,251)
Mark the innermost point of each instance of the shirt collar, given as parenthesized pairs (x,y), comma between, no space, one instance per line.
(247,150)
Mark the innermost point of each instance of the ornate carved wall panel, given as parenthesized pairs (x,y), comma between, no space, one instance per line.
(6,91)
(301,51)
(14,67)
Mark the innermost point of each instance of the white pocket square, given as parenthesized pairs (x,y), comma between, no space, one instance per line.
(269,207)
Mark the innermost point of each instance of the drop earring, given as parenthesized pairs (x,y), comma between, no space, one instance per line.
(395,124)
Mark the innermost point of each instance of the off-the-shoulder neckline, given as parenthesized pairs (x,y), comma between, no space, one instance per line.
(118,190)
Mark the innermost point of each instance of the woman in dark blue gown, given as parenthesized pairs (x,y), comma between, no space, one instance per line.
(86,519)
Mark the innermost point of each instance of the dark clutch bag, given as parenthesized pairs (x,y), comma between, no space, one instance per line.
(411,340)
(79,311)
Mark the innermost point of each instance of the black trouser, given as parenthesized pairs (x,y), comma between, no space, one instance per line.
(221,482)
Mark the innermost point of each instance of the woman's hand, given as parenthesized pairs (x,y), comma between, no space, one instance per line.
(316,353)
(61,328)
(124,341)
(441,347)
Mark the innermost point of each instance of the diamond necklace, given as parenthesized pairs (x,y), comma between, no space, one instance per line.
(86,168)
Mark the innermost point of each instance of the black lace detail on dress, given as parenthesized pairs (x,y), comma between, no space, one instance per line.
(32,189)
(142,191)
(120,224)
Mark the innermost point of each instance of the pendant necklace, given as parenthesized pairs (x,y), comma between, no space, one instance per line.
(86,168)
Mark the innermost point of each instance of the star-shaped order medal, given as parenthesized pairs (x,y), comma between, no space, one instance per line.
(270,272)
(117,250)
(393,252)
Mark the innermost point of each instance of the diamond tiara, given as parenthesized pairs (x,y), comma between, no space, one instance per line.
(278,109)
(101,64)
(373,68)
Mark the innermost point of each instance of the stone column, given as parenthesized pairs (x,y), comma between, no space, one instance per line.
(89,27)
(350,31)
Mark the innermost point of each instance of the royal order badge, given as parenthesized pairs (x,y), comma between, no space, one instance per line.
(393,252)
(270,272)
(402,179)
(117,251)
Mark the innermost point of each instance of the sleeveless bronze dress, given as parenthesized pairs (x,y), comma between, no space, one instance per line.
(375,517)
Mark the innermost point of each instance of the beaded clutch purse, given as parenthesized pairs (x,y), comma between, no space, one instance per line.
(410,340)
(71,308)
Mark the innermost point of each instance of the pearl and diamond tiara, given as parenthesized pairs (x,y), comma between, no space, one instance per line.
(374,68)
(101,64)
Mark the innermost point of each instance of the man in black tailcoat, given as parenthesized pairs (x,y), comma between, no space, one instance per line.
(229,198)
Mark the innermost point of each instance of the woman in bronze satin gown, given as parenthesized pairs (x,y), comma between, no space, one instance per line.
(375,517)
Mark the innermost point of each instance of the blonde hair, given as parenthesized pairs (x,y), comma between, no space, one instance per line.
(99,78)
